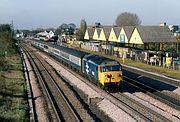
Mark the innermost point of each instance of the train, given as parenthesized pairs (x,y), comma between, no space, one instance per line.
(102,71)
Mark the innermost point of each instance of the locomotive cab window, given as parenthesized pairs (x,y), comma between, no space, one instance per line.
(110,68)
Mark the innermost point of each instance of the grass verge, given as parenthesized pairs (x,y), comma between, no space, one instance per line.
(13,96)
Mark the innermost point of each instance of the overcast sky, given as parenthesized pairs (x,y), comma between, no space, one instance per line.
(30,14)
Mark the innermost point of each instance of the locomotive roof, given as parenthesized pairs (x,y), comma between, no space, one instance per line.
(97,59)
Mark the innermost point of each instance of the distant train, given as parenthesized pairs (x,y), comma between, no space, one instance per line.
(104,72)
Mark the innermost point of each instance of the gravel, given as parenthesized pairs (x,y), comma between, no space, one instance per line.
(37,95)
(156,105)
(104,105)
(114,112)
(177,91)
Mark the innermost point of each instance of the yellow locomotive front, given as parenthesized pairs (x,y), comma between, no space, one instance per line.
(110,74)
(107,73)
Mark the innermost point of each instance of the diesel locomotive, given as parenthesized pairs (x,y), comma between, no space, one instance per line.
(104,72)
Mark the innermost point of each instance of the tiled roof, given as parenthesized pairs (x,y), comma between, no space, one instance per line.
(128,30)
(117,31)
(155,34)
(90,32)
(147,33)
(98,31)
(107,30)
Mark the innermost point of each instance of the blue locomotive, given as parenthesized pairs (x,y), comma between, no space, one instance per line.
(103,71)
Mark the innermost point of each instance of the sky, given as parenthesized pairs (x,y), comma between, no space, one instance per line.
(32,14)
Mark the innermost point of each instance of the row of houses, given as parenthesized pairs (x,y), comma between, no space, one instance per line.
(144,43)
(140,35)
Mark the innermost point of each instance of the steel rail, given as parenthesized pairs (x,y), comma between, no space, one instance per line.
(171,101)
(40,79)
(144,112)
(69,106)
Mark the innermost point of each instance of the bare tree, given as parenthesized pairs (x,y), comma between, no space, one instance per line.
(128,19)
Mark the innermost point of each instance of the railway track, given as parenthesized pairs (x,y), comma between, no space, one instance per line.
(137,108)
(31,102)
(165,98)
(61,107)
(164,79)
(144,112)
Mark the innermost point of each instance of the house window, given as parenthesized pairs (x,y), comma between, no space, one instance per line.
(122,38)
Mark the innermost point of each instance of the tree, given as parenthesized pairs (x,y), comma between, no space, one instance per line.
(61,29)
(5,27)
(18,31)
(64,26)
(128,19)
(67,29)
(72,28)
(81,31)
(58,31)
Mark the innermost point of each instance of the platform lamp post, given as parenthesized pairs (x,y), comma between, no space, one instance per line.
(106,51)
(178,41)
(177,47)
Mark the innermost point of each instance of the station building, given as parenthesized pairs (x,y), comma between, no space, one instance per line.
(150,44)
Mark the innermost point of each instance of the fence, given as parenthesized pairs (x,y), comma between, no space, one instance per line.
(154,58)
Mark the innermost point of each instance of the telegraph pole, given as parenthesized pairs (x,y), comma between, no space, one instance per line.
(12,27)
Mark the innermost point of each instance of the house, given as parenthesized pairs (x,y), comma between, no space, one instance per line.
(96,34)
(106,30)
(89,33)
(114,34)
(151,34)
(141,37)
(125,34)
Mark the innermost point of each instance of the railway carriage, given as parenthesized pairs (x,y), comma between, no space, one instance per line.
(45,47)
(35,44)
(40,45)
(104,72)
(71,56)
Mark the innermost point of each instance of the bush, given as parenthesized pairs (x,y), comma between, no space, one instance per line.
(5,45)
(3,64)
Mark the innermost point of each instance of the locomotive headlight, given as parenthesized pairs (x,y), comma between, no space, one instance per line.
(110,76)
